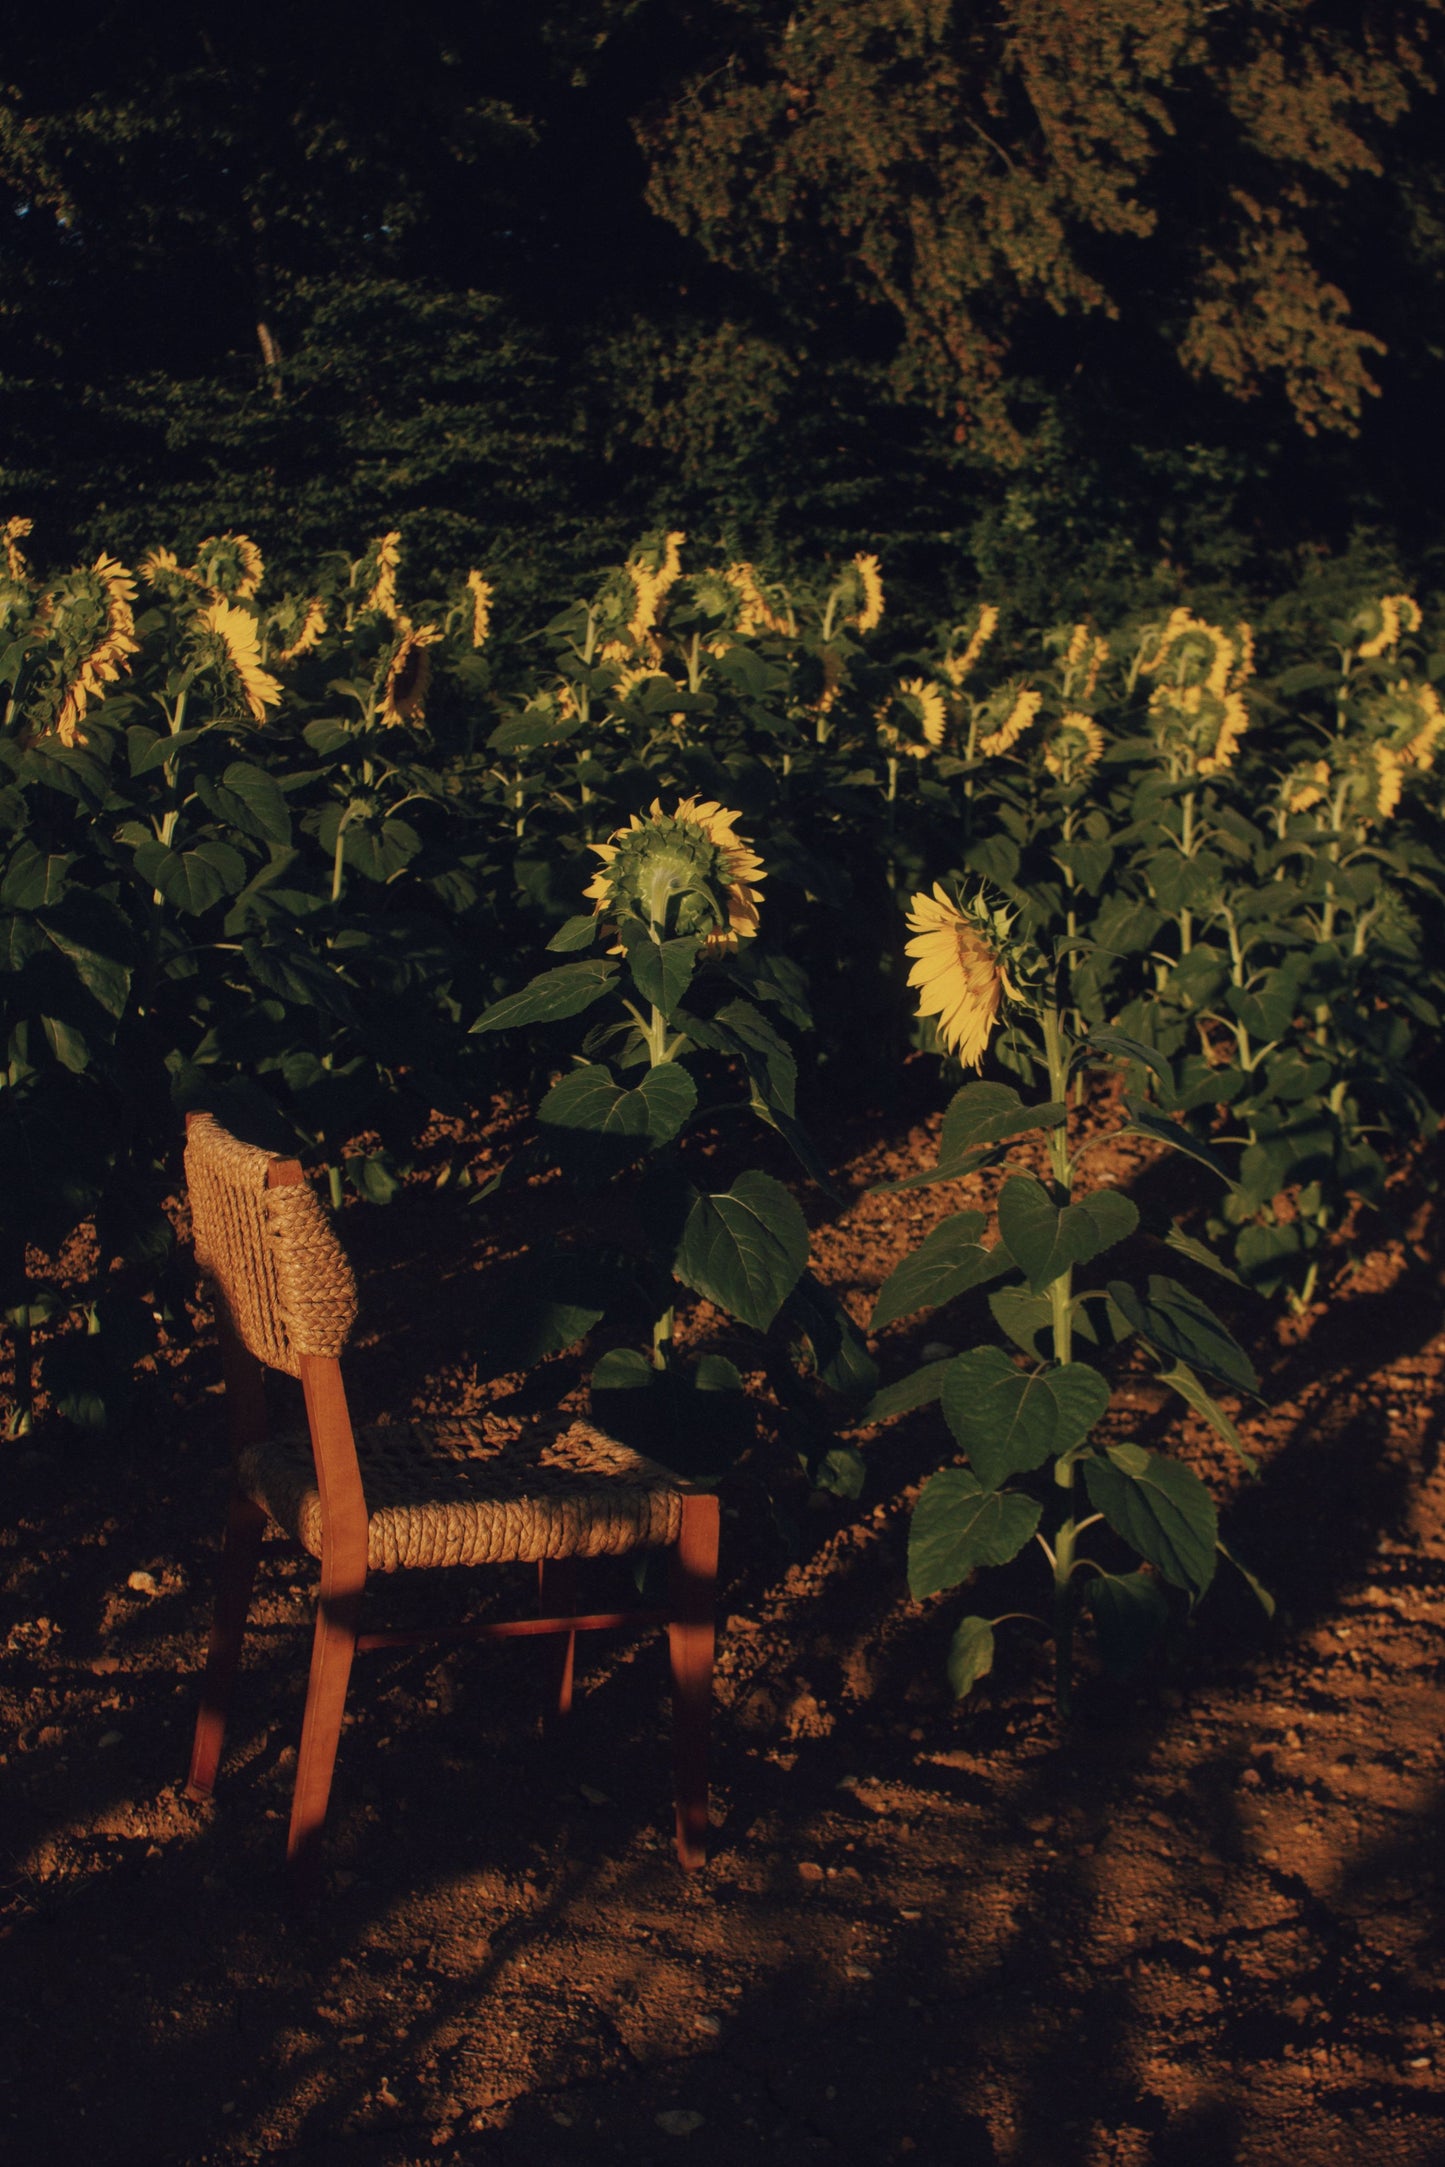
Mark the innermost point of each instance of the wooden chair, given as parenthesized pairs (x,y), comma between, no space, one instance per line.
(414,1493)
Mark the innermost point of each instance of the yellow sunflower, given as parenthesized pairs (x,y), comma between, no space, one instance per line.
(481,593)
(1191,653)
(1198,726)
(1024,707)
(386,556)
(870,581)
(957,972)
(408,678)
(688,870)
(1408,718)
(1374,777)
(926,703)
(957,667)
(229,566)
(1383,622)
(98,604)
(1075,745)
(308,633)
(757,609)
(1306,787)
(12,534)
(234,631)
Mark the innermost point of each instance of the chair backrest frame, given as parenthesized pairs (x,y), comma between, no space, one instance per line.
(333,1445)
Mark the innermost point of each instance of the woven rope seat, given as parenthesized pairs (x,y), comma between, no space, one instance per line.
(448,1493)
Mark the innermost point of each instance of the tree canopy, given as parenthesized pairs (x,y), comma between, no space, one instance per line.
(918,273)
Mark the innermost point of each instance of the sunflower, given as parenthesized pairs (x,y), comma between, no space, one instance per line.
(408,678)
(229,566)
(925,702)
(237,644)
(1198,725)
(870,582)
(957,667)
(1382,623)
(958,973)
(308,633)
(1409,720)
(92,614)
(1021,713)
(384,556)
(1190,653)
(1305,787)
(1075,744)
(1374,776)
(688,870)
(481,593)
(12,534)
(757,609)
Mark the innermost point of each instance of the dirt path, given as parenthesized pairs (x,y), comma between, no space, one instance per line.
(1207,1928)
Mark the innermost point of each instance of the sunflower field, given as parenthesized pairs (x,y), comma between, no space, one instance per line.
(698,859)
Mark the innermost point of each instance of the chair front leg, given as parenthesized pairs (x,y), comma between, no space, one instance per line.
(240,1553)
(692,1592)
(557,1598)
(338,1613)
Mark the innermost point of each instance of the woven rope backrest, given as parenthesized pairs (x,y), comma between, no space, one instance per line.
(270,1253)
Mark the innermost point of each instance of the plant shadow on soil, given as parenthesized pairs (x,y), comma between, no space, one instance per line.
(924,1932)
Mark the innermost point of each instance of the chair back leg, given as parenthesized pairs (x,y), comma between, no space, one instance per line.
(692,1595)
(338,1613)
(240,1553)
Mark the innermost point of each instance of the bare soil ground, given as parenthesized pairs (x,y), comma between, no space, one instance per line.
(1206,1925)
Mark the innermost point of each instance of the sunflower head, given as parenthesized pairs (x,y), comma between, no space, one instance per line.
(88,615)
(1075,744)
(12,534)
(974,638)
(1378,625)
(683,873)
(300,625)
(407,678)
(1374,777)
(1186,652)
(375,576)
(229,566)
(480,591)
(925,718)
(1198,727)
(965,965)
(1006,714)
(230,644)
(1305,787)
(1408,718)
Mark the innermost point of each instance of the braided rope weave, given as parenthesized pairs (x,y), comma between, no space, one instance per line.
(445,1493)
(270,1253)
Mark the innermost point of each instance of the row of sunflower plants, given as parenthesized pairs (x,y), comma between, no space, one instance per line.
(322,833)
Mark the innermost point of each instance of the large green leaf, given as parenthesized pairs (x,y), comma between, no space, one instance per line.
(744,1249)
(947,1261)
(565,991)
(249,799)
(958,1525)
(1045,1241)
(768,1055)
(1193,1393)
(192,880)
(1175,1321)
(970,1654)
(1004,1418)
(1081,1399)
(588,1105)
(986,1113)
(661,970)
(919,1389)
(1146,1122)
(1161,1509)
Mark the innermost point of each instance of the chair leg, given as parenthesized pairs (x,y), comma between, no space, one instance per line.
(557,1598)
(337,1615)
(240,1552)
(690,1635)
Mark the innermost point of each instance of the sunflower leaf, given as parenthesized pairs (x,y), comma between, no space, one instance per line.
(565,991)
(744,1249)
(958,1525)
(946,1263)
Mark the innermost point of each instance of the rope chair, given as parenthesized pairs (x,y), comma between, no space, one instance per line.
(415,1493)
